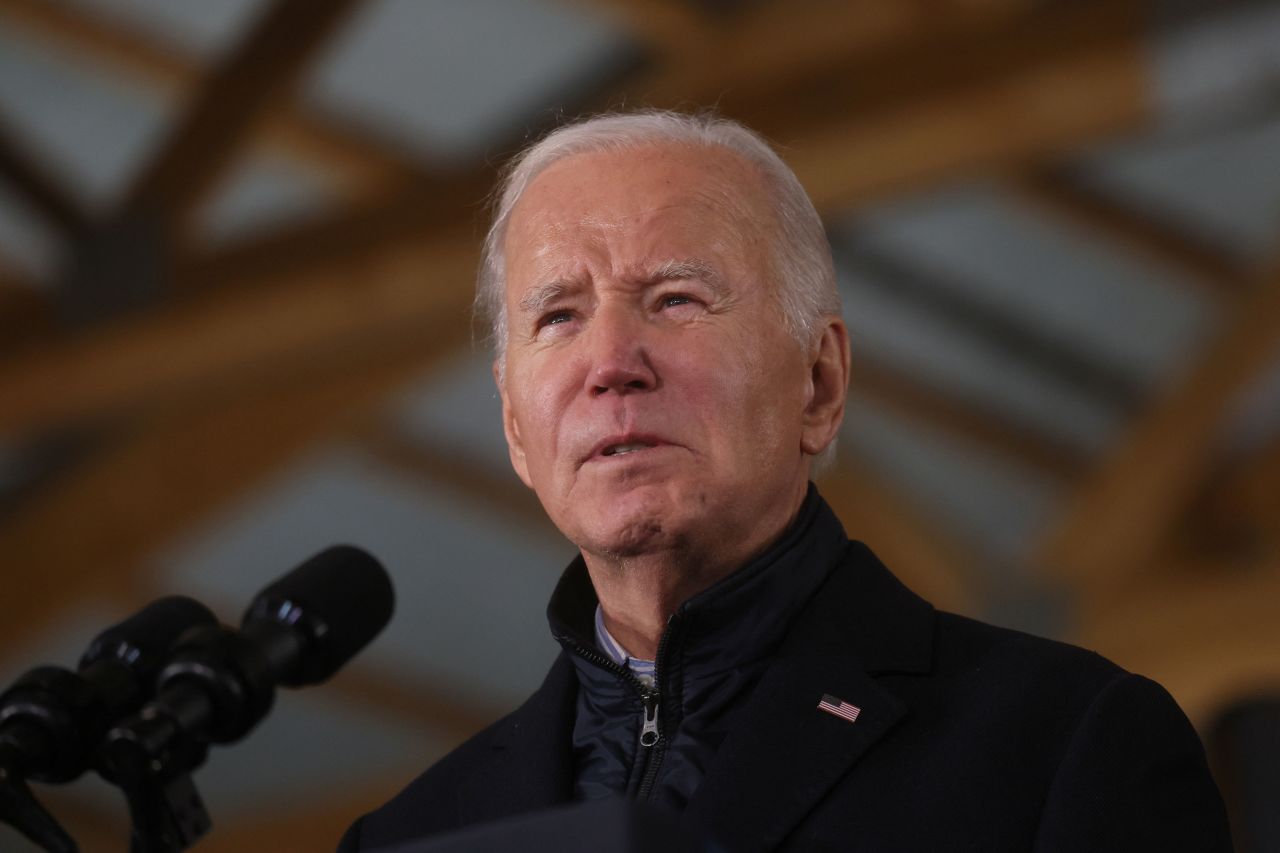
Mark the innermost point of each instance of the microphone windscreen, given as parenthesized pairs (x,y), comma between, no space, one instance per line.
(142,641)
(338,601)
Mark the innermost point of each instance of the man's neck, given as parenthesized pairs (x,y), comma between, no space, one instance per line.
(639,593)
(638,596)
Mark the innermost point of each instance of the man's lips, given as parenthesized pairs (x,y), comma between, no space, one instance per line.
(620,446)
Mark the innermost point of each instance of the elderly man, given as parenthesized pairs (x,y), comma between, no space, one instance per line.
(672,362)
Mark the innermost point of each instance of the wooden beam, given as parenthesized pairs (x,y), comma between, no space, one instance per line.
(952,63)
(924,559)
(176,359)
(258,330)
(930,295)
(1042,454)
(408,212)
(39,463)
(86,532)
(977,107)
(86,400)
(418,207)
(1063,197)
(36,184)
(1207,632)
(415,212)
(1238,510)
(246,85)
(703,58)
(1255,488)
(355,161)
(231,390)
(665,26)
(26,314)
(88,35)
(996,105)
(443,467)
(876,98)
(1125,508)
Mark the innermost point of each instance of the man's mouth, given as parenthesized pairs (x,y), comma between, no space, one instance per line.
(620,449)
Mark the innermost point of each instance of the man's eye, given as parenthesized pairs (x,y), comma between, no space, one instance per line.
(673,299)
(554,318)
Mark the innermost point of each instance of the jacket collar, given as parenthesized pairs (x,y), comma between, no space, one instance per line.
(737,620)
(861,623)
(786,753)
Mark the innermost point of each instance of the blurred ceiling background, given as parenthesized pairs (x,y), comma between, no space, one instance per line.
(237,246)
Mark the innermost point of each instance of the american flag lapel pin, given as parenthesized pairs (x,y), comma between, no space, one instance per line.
(839,708)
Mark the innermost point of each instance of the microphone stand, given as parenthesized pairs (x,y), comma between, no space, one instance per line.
(151,760)
(52,719)
(21,810)
(167,816)
(217,684)
(153,769)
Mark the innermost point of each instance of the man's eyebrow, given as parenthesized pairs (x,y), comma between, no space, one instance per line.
(685,268)
(674,270)
(538,298)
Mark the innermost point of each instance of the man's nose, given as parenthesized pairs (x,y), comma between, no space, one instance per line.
(619,353)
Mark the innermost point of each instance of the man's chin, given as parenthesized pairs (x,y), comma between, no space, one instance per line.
(622,535)
(629,521)
(634,541)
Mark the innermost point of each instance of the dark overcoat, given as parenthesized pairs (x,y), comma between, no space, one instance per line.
(969,738)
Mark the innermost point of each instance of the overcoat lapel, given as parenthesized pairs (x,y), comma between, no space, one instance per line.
(786,753)
(532,762)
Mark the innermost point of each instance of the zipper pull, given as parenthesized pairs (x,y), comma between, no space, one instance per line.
(649,734)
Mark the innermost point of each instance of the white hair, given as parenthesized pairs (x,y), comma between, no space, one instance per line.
(805,279)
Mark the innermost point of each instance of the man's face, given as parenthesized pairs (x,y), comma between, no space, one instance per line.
(652,395)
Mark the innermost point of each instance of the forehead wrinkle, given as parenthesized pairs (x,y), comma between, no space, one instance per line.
(545,261)
(547,237)
(726,199)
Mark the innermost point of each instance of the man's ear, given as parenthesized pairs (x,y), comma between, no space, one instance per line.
(515,445)
(828,387)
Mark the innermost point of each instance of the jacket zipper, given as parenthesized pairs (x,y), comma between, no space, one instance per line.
(652,742)
(649,731)
(654,749)
(657,746)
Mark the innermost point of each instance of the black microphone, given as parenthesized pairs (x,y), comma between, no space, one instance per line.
(319,616)
(219,683)
(52,719)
